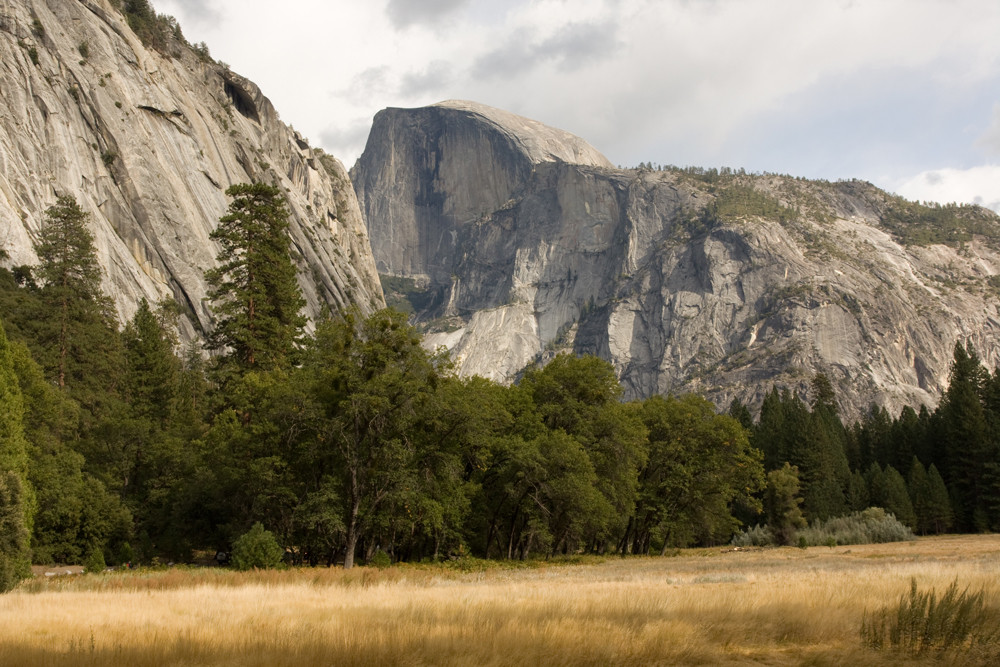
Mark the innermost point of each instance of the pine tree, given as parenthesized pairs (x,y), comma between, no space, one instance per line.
(919,489)
(939,514)
(782,503)
(857,492)
(967,444)
(254,290)
(897,498)
(75,330)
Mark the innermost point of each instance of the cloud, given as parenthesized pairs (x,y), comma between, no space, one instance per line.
(196,13)
(571,47)
(342,139)
(432,80)
(404,13)
(368,84)
(976,185)
(990,140)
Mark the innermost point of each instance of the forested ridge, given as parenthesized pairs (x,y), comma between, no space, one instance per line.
(353,442)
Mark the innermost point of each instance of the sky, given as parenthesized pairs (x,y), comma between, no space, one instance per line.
(902,93)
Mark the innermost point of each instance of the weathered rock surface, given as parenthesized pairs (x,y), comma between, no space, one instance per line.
(148,144)
(686,281)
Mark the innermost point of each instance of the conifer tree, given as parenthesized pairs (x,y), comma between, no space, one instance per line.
(919,489)
(254,290)
(939,514)
(967,445)
(897,498)
(857,493)
(782,503)
(74,332)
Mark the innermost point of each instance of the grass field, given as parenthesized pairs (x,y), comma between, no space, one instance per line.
(702,607)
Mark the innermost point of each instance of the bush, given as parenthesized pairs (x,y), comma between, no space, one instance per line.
(754,537)
(380,559)
(872,526)
(256,549)
(921,622)
(95,561)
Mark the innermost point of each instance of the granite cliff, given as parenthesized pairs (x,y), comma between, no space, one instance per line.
(512,241)
(147,140)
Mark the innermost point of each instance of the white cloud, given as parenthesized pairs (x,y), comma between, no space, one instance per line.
(684,81)
(990,140)
(977,185)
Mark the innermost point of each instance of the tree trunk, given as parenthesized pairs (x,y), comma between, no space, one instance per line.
(352,536)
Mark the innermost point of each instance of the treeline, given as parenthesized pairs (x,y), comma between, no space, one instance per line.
(343,443)
(935,471)
(354,442)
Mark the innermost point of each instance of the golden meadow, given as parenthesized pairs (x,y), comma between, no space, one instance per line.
(782,606)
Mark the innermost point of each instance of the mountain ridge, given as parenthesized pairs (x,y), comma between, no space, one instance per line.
(717,282)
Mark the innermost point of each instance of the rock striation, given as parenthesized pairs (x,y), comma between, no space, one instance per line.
(148,141)
(521,241)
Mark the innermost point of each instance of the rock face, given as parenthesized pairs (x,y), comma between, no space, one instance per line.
(686,280)
(148,144)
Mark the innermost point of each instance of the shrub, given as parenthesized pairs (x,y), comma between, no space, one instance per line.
(754,537)
(921,622)
(380,559)
(872,526)
(256,549)
(95,560)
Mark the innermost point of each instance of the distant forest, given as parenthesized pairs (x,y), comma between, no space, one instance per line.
(353,442)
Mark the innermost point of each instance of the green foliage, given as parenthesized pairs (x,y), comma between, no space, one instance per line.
(580,396)
(17,505)
(14,534)
(699,465)
(739,202)
(897,498)
(784,516)
(84,50)
(950,224)
(404,295)
(72,329)
(156,31)
(872,526)
(380,559)
(758,536)
(254,291)
(256,549)
(922,622)
(370,381)
(94,562)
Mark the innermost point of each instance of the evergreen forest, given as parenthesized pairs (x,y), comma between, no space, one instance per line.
(348,442)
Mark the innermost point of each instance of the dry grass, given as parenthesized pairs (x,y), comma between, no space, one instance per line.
(703,607)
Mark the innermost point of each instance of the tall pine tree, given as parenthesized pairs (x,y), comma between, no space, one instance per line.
(254,290)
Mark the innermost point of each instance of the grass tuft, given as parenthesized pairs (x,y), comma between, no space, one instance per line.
(922,622)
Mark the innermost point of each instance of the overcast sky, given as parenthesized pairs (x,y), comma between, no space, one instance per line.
(903,93)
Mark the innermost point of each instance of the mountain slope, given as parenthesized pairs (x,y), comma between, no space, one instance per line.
(722,284)
(148,140)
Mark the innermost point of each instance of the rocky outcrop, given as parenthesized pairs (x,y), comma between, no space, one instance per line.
(148,141)
(723,284)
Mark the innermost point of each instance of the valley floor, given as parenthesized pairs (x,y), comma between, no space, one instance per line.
(702,607)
